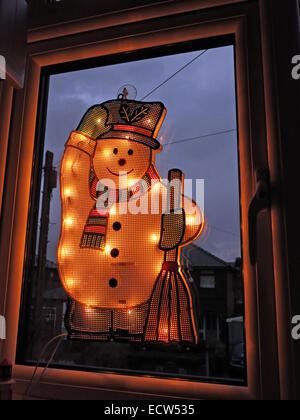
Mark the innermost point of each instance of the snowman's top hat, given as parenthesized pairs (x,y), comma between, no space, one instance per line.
(128,120)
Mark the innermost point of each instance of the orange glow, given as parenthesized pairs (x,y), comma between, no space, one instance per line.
(113,257)
(65,252)
(69,164)
(138,232)
(68,192)
(68,221)
(113,211)
(70,282)
(157,187)
(107,249)
(155,238)
(132,182)
(191,220)
(88,310)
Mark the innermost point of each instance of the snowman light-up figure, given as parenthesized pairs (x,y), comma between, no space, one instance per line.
(120,241)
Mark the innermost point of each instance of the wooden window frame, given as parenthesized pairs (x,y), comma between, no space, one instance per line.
(240,20)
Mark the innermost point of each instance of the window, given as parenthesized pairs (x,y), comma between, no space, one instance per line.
(49,316)
(199,136)
(163,31)
(207,281)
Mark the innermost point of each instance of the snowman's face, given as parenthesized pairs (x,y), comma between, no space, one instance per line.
(124,162)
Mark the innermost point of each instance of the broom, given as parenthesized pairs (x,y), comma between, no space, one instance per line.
(170,317)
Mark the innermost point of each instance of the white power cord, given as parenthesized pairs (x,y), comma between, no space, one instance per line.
(61,337)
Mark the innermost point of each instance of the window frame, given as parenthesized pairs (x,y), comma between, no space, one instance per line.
(241,21)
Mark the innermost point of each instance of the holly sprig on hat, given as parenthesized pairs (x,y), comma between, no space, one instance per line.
(135,115)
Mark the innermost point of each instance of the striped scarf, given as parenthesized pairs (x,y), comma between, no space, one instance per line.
(94,235)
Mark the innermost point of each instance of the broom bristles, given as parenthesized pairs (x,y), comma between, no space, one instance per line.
(169,318)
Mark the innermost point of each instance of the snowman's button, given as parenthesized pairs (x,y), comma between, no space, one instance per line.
(115,253)
(117,226)
(113,283)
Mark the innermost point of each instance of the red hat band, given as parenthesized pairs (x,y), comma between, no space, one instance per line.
(132,129)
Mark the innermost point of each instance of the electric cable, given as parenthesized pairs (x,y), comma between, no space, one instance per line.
(50,360)
(40,359)
(173,75)
(202,137)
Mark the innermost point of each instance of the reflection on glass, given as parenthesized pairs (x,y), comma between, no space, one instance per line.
(199,137)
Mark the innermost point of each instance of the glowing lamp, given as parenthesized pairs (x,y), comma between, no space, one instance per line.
(70,282)
(68,193)
(190,220)
(118,259)
(155,238)
(68,221)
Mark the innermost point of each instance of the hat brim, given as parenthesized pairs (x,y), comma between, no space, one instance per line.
(139,138)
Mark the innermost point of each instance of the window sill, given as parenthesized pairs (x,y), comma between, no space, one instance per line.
(75,385)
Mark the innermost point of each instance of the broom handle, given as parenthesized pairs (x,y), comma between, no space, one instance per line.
(176,192)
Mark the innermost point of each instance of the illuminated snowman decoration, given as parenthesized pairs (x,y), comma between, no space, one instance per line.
(119,250)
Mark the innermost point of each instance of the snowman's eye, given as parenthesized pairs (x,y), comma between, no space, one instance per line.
(130,152)
(116,151)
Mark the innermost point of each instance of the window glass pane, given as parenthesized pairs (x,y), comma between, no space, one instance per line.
(199,136)
(207,281)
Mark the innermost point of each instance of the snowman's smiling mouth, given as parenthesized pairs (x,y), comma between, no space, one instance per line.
(123,173)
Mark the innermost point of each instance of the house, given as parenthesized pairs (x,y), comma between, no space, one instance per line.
(217,289)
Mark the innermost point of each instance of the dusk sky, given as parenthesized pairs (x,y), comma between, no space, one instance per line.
(200,101)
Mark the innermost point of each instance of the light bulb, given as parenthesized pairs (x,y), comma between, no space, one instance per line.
(65,252)
(132,183)
(107,249)
(156,187)
(70,282)
(88,310)
(190,220)
(113,211)
(68,221)
(69,164)
(68,192)
(155,238)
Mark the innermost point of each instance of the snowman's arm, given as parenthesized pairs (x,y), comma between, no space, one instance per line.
(194,221)
(74,176)
(191,228)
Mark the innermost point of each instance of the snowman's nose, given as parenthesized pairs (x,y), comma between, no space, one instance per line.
(122,162)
